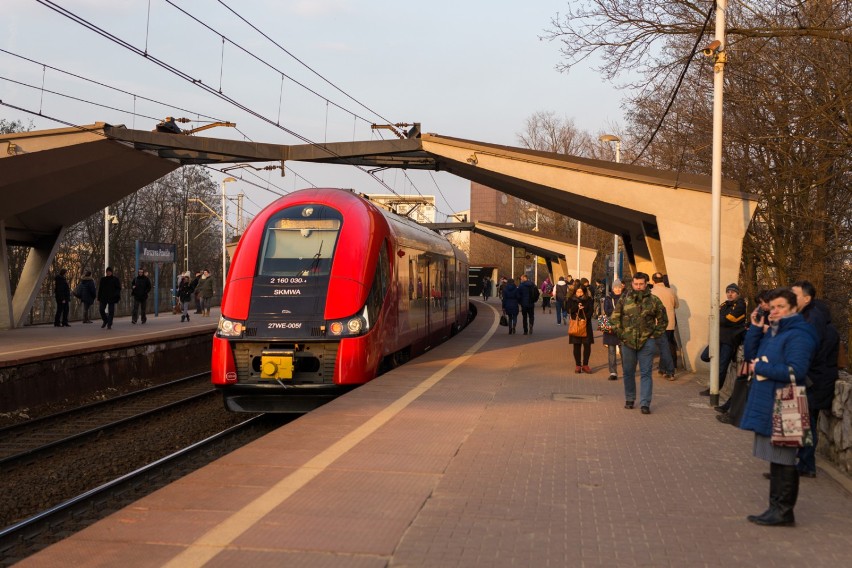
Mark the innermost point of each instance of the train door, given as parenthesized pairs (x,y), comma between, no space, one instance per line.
(424,299)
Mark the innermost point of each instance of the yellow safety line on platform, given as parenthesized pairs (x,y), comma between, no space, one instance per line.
(218,538)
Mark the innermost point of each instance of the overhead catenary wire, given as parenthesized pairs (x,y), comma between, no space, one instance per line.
(260,60)
(308,67)
(197,82)
(111,87)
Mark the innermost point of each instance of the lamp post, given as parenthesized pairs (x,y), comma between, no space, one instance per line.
(107,220)
(535,270)
(224,226)
(513,253)
(617,140)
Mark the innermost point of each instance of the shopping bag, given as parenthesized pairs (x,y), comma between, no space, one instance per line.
(791,421)
(504,320)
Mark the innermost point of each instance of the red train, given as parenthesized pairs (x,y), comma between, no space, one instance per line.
(325,291)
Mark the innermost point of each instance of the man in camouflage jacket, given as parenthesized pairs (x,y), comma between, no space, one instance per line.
(638,317)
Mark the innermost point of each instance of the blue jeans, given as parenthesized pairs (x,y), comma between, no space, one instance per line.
(666,362)
(807,455)
(612,357)
(645,358)
(561,312)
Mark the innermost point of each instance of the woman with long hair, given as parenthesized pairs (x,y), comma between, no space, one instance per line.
(581,306)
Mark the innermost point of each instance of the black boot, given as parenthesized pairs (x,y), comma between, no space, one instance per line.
(783,493)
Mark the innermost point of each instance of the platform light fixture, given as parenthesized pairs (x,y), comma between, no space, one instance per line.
(224,228)
(108,220)
(617,140)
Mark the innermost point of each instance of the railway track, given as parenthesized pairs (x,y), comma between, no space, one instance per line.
(52,460)
(21,441)
(38,531)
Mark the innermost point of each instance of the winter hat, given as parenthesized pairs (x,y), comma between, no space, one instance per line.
(617,283)
(734,287)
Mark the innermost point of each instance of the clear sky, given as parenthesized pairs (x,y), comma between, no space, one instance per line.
(472,69)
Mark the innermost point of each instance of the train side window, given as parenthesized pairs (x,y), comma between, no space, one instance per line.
(380,284)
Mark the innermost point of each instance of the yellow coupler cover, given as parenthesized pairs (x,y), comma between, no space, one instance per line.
(276,367)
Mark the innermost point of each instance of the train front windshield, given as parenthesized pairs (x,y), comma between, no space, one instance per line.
(299,242)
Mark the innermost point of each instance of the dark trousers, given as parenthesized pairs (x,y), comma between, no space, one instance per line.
(587,351)
(726,354)
(139,305)
(61,317)
(807,455)
(87,312)
(107,310)
(528,317)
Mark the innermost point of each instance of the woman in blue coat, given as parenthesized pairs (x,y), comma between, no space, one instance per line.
(786,345)
(511,299)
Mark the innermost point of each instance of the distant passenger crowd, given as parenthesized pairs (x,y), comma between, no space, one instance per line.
(108,294)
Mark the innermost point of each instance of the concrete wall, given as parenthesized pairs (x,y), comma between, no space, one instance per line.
(52,381)
(835,427)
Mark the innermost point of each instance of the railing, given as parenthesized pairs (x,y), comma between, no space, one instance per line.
(43,309)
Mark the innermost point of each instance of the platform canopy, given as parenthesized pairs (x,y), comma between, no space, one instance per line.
(52,179)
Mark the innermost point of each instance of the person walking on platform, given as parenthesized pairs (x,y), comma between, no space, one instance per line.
(486,288)
(205,291)
(610,339)
(581,305)
(87,293)
(546,295)
(185,292)
(62,293)
(732,320)
(196,294)
(139,289)
(776,351)
(666,340)
(511,302)
(638,319)
(109,294)
(560,296)
(528,296)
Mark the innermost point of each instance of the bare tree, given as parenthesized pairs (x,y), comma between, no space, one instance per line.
(788,93)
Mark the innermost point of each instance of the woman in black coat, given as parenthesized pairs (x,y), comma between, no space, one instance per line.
(511,300)
(581,305)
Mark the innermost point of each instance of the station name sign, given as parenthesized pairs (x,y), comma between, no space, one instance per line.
(156,252)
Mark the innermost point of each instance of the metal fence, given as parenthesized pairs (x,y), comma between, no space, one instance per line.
(44,307)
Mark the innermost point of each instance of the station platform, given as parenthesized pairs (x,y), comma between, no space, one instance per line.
(43,367)
(486,451)
(38,342)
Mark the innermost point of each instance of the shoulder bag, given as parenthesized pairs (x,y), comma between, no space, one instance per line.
(577,326)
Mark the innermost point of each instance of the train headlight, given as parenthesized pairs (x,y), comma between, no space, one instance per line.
(355,325)
(230,328)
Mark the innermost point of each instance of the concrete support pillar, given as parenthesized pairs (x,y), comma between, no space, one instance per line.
(33,274)
(655,248)
(6,314)
(641,260)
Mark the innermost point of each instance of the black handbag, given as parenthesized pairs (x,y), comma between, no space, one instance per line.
(504,320)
